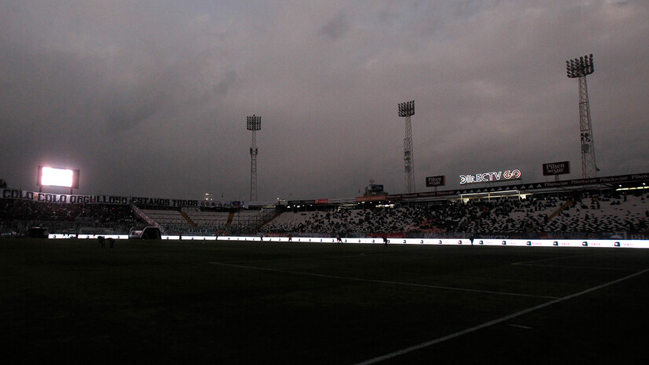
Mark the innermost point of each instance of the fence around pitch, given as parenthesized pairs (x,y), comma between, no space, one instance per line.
(398,241)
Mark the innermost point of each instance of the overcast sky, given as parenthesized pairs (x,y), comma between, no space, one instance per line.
(150,97)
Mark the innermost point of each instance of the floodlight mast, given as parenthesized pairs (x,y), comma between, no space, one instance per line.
(253,124)
(579,68)
(407,110)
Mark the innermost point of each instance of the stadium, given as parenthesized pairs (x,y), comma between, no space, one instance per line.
(603,210)
(499,270)
(512,243)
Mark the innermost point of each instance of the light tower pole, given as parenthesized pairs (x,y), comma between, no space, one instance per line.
(407,110)
(253,124)
(579,68)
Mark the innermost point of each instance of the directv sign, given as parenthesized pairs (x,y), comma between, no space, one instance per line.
(487,177)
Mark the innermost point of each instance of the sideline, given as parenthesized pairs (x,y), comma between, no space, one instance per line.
(494,322)
(381,281)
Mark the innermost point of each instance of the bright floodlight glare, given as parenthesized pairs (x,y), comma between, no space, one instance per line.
(57,177)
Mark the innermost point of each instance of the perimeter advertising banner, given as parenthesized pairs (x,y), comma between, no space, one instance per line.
(493,176)
(556,168)
(562,243)
(435,181)
(93,199)
(370,198)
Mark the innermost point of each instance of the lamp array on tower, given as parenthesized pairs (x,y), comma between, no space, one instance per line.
(581,66)
(407,109)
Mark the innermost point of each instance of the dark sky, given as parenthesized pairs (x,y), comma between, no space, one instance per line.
(150,97)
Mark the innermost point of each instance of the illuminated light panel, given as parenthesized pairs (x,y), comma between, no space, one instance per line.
(635,188)
(57,177)
(486,177)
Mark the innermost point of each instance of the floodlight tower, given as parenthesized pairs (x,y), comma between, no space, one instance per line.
(580,68)
(407,110)
(253,124)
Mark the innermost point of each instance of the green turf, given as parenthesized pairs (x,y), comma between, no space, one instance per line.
(175,302)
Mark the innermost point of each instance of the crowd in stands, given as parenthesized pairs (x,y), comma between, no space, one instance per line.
(17,214)
(210,221)
(607,213)
(585,212)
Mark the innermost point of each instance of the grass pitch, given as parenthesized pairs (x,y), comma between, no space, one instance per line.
(170,302)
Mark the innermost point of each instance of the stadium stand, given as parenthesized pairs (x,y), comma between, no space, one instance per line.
(605,214)
(549,213)
(210,221)
(583,213)
(19,215)
(166,217)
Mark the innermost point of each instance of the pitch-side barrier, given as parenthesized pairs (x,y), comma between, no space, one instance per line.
(394,241)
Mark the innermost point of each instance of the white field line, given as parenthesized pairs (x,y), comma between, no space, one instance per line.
(381,281)
(494,322)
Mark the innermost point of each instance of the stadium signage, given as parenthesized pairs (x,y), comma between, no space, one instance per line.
(435,180)
(151,201)
(17,194)
(370,198)
(486,177)
(93,199)
(556,168)
(63,198)
(427,194)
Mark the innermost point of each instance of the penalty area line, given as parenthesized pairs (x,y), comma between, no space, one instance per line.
(381,281)
(495,321)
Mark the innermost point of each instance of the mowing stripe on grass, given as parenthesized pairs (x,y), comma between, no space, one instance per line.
(551,259)
(494,322)
(299,258)
(577,267)
(535,263)
(381,281)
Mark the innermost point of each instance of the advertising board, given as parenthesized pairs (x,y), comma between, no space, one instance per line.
(494,176)
(435,181)
(556,168)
